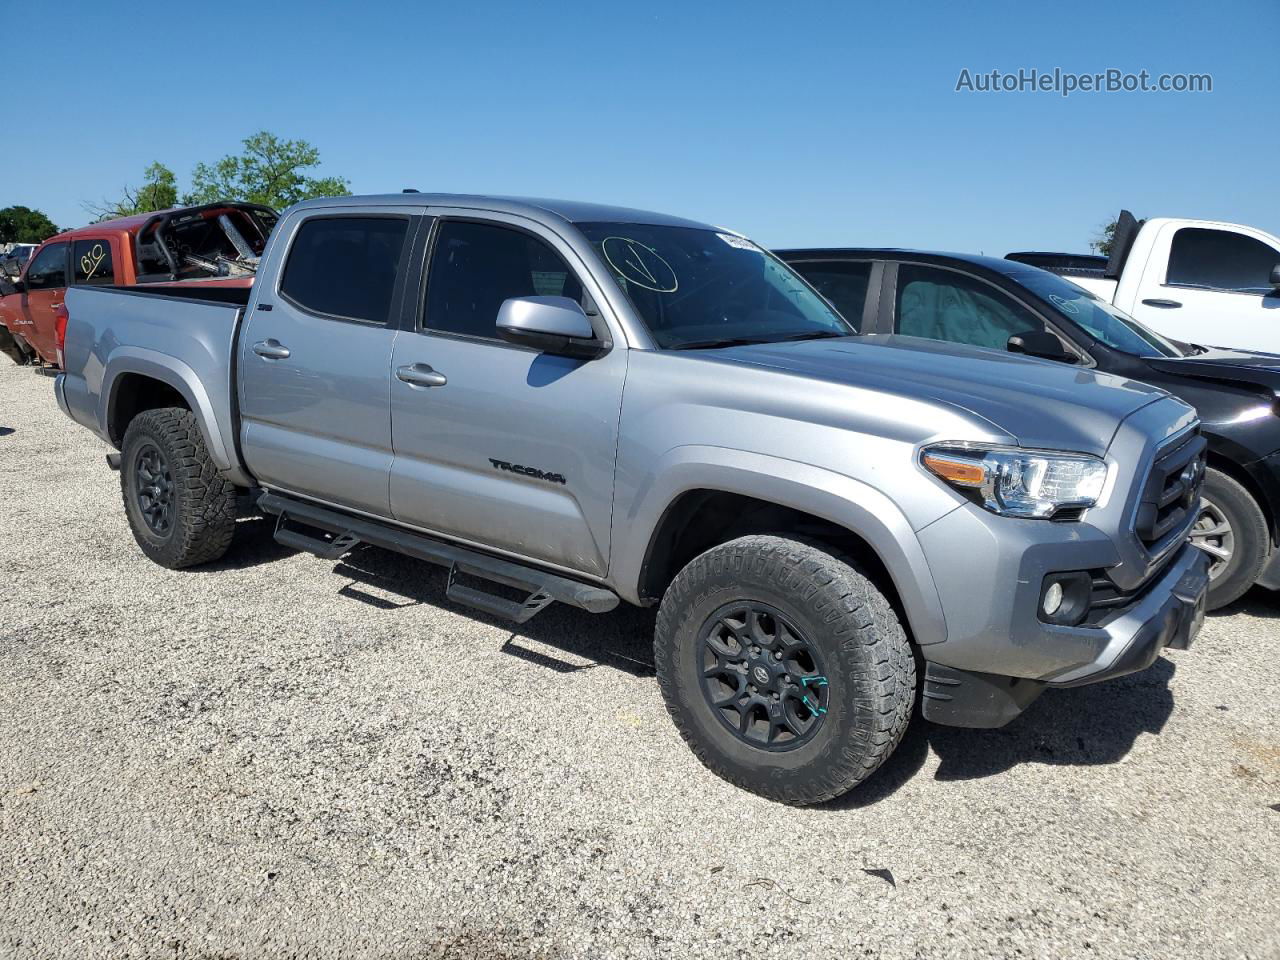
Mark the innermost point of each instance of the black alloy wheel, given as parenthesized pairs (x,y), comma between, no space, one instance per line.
(761,676)
(155,489)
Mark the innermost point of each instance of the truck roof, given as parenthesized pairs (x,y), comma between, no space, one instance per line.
(572,211)
(118,225)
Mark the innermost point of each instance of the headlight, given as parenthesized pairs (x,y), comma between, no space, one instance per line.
(1018,483)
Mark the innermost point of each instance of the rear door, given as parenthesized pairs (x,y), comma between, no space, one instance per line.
(315,356)
(511,448)
(46,288)
(1216,287)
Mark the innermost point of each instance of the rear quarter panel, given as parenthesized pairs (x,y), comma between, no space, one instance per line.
(187,344)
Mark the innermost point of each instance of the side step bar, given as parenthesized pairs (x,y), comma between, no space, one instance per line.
(340,532)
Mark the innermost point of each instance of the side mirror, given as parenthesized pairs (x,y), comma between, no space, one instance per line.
(554,325)
(8,286)
(1275,277)
(1042,344)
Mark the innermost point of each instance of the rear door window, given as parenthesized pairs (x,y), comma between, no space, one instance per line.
(843,283)
(91,263)
(345,267)
(946,305)
(1221,260)
(49,269)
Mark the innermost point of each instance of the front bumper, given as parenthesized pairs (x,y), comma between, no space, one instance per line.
(1168,613)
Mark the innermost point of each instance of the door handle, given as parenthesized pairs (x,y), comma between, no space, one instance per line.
(420,375)
(1165,304)
(271,349)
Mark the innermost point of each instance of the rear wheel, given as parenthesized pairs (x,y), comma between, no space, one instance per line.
(1232,529)
(181,511)
(784,668)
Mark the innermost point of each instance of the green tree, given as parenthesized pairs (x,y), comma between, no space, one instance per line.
(159,191)
(1104,240)
(24,225)
(270,171)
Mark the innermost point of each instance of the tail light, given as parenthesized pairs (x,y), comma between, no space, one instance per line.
(60,318)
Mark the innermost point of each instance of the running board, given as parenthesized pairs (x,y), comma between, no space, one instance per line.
(340,532)
(327,546)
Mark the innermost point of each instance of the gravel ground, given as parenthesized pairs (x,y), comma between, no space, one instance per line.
(286,757)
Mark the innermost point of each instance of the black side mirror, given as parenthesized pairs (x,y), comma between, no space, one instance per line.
(553,325)
(1275,277)
(8,286)
(1042,344)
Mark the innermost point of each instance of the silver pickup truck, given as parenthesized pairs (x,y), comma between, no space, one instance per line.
(586,404)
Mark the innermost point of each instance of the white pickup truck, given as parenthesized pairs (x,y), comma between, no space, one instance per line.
(1198,281)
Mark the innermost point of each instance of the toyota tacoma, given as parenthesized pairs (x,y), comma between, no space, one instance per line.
(567,402)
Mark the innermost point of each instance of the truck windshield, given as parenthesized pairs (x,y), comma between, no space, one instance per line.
(696,288)
(1107,324)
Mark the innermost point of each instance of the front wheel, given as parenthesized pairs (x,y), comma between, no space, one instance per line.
(1230,528)
(784,668)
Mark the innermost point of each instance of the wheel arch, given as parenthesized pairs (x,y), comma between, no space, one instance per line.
(1223,463)
(704,504)
(136,380)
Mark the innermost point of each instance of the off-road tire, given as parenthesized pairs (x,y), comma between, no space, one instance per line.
(1252,538)
(203,503)
(867,658)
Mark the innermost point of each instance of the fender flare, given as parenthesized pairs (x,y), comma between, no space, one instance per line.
(173,373)
(856,506)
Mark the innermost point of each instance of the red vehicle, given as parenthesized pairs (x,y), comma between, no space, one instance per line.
(218,244)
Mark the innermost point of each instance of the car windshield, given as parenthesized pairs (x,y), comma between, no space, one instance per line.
(1107,324)
(703,288)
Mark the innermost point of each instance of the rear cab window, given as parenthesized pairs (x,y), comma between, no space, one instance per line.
(345,267)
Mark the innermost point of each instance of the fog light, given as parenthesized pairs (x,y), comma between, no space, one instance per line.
(1065,598)
(1052,599)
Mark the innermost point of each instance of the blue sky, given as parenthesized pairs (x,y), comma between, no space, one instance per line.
(806,123)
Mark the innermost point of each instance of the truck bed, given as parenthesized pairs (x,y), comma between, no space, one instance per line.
(183,336)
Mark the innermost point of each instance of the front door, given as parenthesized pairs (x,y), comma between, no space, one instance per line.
(315,359)
(510,448)
(46,288)
(1216,290)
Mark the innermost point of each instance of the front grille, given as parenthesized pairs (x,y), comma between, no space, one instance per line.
(1171,493)
(1106,599)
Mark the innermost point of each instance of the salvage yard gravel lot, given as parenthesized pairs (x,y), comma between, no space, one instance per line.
(279,756)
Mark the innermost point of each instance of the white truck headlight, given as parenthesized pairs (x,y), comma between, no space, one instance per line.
(1018,483)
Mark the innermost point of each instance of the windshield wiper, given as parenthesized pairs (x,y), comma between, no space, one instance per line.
(811,335)
(747,341)
(712,344)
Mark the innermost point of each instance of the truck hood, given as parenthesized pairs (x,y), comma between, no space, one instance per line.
(1231,366)
(1040,403)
